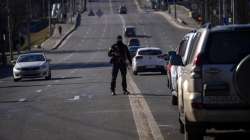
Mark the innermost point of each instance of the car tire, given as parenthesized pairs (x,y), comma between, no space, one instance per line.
(163,72)
(16,79)
(191,133)
(181,127)
(174,100)
(49,76)
(135,72)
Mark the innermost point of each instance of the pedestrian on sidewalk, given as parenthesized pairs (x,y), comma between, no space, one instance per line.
(60,30)
(119,54)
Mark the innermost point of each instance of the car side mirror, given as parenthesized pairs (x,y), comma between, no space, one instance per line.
(166,57)
(176,60)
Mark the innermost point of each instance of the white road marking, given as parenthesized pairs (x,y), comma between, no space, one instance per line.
(75,98)
(146,125)
(165,125)
(22,100)
(48,85)
(39,90)
(57,81)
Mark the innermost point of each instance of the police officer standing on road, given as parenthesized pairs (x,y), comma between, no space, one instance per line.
(119,54)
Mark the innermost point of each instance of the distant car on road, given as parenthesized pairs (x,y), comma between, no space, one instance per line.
(134,42)
(129,31)
(132,50)
(31,65)
(149,59)
(123,9)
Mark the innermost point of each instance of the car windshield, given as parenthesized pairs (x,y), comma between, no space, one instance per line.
(237,42)
(150,52)
(31,58)
(130,29)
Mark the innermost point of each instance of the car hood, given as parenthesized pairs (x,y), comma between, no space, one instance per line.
(29,64)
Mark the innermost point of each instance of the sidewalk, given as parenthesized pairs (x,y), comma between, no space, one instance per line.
(184,16)
(56,39)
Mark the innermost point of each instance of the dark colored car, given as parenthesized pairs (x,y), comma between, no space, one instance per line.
(133,50)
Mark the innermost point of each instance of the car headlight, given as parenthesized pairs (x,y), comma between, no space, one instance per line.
(18,68)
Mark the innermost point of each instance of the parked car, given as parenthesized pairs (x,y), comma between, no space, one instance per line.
(149,59)
(123,9)
(214,90)
(129,31)
(134,42)
(175,70)
(31,65)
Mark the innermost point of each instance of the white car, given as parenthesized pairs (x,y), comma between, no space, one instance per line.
(31,65)
(149,59)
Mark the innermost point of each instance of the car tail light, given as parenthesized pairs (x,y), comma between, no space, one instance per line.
(198,60)
(139,57)
(196,70)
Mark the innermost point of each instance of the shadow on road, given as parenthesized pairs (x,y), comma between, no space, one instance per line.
(143,36)
(80,65)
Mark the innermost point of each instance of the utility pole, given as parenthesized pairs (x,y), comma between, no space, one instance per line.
(175,14)
(9,30)
(233,11)
(49,17)
(85,5)
(28,24)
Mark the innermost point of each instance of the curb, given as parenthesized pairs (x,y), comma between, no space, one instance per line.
(65,36)
(175,22)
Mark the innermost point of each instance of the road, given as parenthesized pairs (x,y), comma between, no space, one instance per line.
(77,104)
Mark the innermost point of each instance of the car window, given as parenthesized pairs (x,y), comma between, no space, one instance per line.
(31,58)
(182,47)
(194,44)
(150,52)
(228,47)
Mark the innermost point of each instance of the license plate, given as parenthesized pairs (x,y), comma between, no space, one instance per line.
(151,67)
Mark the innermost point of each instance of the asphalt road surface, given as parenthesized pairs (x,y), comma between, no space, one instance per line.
(77,104)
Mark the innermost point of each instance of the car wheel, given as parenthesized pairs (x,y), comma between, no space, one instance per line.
(135,72)
(182,128)
(174,100)
(192,133)
(49,76)
(163,72)
(17,79)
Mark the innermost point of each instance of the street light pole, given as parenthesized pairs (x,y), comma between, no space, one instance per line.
(49,16)
(175,14)
(9,31)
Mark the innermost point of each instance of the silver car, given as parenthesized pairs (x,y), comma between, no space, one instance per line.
(31,65)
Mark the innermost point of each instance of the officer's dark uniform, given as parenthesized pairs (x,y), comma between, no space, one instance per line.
(119,54)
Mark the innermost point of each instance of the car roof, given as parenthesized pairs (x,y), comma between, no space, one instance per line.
(149,48)
(233,27)
(32,54)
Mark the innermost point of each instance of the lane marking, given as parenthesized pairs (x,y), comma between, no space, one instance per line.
(39,90)
(75,98)
(22,100)
(48,85)
(146,125)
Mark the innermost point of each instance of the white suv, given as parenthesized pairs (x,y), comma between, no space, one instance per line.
(149,59)
(214,90)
